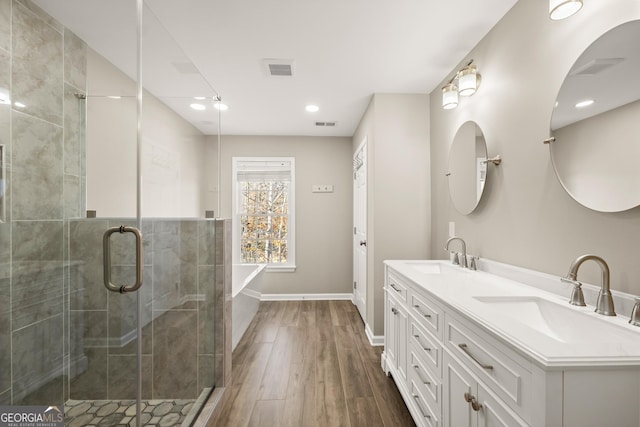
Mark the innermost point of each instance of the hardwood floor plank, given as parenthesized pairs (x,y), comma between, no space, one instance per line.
(331,406)
(300,405)
(392,408)
(322,372)
(267,413)
(363,412)
(291,315)
(244,388)
(276,376)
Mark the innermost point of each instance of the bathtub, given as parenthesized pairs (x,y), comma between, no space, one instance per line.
(246,290)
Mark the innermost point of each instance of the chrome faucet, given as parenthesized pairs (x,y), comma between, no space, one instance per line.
(462,262)
(604,304)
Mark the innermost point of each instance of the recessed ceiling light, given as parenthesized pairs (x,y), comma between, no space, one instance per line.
(312,108)
(198,107)
(585,103)
(19,104)
(200,98)
(220,106)
(114,96)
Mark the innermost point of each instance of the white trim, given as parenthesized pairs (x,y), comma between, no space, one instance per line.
(374,340)
(306,297)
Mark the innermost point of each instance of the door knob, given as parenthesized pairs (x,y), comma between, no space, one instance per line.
(363,243)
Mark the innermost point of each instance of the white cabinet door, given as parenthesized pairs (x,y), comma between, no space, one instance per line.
(494,413)
(457,412)
(403,340)
(390,334)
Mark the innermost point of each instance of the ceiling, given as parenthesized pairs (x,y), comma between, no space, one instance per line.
(343,51)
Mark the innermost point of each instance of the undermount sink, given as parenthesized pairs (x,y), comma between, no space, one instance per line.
(563,324)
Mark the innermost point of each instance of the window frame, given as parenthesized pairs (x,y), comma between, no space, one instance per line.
(290,265)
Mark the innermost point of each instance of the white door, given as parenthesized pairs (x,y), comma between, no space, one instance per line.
(360,229)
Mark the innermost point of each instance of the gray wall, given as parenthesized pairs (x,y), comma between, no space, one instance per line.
(323,220)
(525,217)
(398,188)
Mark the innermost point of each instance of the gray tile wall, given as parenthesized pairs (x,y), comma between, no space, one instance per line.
(62,334)
(41,67)
(178,311)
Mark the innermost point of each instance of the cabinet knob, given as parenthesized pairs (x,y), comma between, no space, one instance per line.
(469,398)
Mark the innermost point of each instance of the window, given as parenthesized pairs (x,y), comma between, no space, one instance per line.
(263,211)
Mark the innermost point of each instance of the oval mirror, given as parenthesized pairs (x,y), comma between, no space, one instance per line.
(596,123)
(467,167)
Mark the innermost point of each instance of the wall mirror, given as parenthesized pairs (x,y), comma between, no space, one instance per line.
(467,167)
(596,123)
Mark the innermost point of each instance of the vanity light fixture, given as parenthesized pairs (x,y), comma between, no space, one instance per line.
(450,96)
(561,9)
(468,80)
(464,83)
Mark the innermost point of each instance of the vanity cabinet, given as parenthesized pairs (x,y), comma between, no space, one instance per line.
(455,372)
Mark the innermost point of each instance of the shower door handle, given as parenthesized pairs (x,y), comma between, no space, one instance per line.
(106,247)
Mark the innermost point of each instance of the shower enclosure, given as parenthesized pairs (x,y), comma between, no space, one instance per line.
(103,175)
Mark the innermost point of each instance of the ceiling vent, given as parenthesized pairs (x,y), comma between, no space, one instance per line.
(278,67)
(326,124)
(595,66)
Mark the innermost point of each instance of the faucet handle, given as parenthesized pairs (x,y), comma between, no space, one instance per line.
(577,297)
(463,260)
(473,262)
(456,259)
(635,313)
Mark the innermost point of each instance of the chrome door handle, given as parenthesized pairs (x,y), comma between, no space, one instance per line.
(106,248)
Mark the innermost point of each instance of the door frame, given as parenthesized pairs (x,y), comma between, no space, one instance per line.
(360,251)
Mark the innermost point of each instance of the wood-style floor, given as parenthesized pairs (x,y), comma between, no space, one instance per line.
(309,363)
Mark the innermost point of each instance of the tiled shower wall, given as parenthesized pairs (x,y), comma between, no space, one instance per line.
(42,66)
(62,335)
(178,309)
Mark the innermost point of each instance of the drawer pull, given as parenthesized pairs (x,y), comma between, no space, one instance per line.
(474,403)
(417,368)
(417,398)
(464,348)
(417,337)
(417,307)
(394,310)
(394,288)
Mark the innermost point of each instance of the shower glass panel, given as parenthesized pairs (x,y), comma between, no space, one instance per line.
(74,148)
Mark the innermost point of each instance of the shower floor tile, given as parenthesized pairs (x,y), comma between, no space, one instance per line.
(164,413)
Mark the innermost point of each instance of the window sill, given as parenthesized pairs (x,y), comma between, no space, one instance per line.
(281,269)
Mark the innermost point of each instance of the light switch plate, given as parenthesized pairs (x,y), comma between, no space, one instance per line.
(322,188)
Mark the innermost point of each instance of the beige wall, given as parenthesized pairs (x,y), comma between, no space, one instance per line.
(172,157)
(397,130)
(525,218)
(323,220)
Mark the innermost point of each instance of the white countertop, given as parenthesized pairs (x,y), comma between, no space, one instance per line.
(539,324)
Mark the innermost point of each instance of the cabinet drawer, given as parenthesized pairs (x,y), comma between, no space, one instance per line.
(425,416)
(497,366)
(396,287)
(426,381)
(430,348)
(427,312)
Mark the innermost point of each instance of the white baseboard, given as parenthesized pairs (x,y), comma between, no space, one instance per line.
(374,340)
(306,297)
